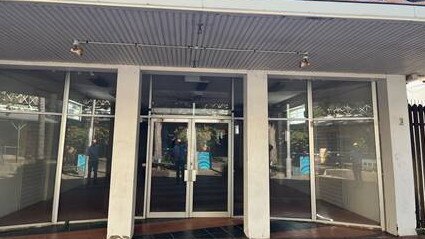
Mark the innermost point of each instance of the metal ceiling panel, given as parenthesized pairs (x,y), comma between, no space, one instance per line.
(44,32)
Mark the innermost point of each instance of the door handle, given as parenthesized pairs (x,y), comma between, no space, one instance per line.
(186,176)
(190,175)
(193,175)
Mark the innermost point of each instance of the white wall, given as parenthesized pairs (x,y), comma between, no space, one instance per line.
(24,184)
(361,198)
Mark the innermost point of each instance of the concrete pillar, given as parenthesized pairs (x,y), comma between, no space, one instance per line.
(256,156)
(399,197)
(122,196)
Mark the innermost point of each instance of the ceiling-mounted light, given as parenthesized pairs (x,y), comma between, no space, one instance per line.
(304,61)
(76,48)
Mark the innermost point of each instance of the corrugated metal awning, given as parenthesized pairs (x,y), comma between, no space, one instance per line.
(44,32)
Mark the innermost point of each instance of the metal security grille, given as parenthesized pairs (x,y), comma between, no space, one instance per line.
(417,137)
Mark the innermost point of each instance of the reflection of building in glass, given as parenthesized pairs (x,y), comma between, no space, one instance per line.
(19,102)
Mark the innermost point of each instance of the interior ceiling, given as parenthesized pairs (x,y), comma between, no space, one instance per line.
(45,32)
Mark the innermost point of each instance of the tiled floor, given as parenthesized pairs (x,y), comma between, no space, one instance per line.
(214,232)
(197,228)
(191,228)
(90,202)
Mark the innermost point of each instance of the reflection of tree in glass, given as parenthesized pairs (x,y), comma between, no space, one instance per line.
(206,136)
(102,132)
(77,136)
(365,142)
(19,126)
(173,135)
(299,141)
(181,133)
(319,111)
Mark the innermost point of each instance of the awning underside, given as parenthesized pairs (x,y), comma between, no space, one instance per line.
(45,32)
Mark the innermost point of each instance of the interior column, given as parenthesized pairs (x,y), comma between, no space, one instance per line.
(256,156)
(399,197)
(122,196)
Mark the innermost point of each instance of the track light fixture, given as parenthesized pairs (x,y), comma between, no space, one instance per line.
(76,48)
(304,61)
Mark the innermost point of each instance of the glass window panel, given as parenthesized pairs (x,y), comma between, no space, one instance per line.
(92,90)
(185,95)
(333,99)
(238,97)
(28,152)
(31,90)
(290,194)
(238,168)
(86,168)
(141,167)
(169,161)
(211,163)
(346,171)
(144,104)
(287,98)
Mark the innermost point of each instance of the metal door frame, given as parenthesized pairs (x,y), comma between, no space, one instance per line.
(150,214)
(191,136)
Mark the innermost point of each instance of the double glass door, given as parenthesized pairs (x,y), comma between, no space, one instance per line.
(189,168)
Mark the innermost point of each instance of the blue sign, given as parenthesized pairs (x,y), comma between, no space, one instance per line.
(204,160)
(305,165)
(81,162)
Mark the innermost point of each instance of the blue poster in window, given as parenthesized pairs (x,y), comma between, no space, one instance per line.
(81,162)
(204,160)
(304,165)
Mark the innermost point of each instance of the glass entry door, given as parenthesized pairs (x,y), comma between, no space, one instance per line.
(211,164)
(169,151)
(189,168)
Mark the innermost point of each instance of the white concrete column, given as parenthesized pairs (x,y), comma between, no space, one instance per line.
(122,196)
(399,197)
(256,156)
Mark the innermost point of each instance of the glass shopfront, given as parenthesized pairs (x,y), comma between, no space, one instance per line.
(323,149)
(88,143)
(32,119)
(323,152)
